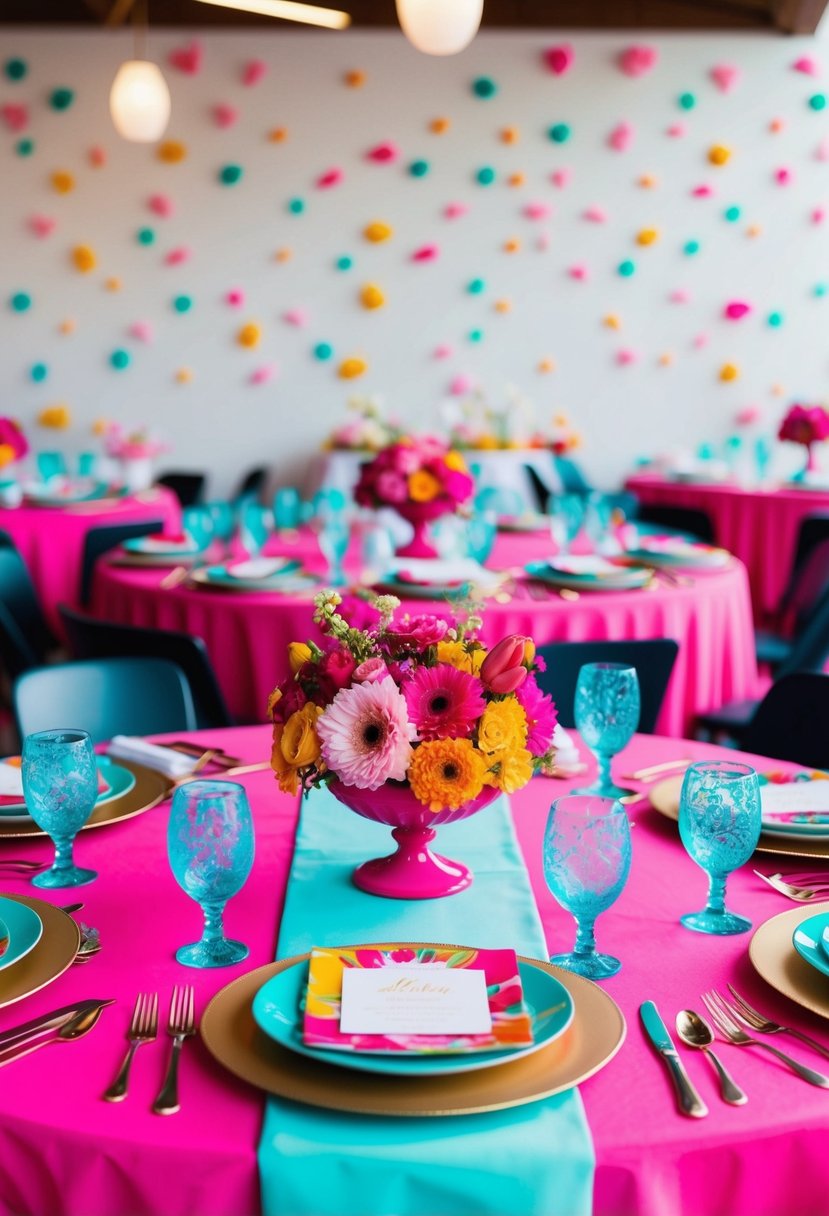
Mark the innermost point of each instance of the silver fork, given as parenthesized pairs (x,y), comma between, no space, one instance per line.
(764,1025)
(726,1021)
(143,1029)
(181,1024)
(801,895)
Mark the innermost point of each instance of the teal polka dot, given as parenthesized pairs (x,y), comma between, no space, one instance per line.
(476,335)
(38,372)
(484,86)
(820,290)
(691,247)
(15,69)
(24,147)
(145,236)
(686,101)
(775,319)
(323,351)
(61,99)
(559,133)
(418,168)
(732,214)
(817,101)
(485,176)
(626,268)
(21,301)
(296,206)
(475,286)
(345,262)
(182,303)
(120,360)
(229,175)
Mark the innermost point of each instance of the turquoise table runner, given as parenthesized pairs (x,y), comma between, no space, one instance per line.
(533,1160)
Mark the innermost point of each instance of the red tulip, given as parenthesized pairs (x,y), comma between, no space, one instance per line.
(503,670)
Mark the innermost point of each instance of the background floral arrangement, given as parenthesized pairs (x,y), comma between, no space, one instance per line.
(13,443)
(367,431)
(415,700)
(806,424)
(414,470)
(137,444)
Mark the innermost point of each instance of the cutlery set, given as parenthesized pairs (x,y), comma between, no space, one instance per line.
(736,1022)
(59,1026)
(143,1028)
(809,887)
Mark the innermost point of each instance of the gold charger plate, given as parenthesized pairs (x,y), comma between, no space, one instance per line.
(775,959)
(52,955)
(233,1038)
(150,788)
(664,797)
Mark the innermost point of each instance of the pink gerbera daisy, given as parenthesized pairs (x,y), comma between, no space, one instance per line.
(444,702)
(365,735)
(541,716)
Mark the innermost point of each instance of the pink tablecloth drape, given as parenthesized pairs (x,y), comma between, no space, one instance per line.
(758,526)
(66,1152)
(51,539)
(246,634)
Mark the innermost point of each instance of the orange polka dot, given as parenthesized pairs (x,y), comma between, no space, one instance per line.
(546,365)
(283,255)
(355,79)
(510,135)
(171,151)
(68,326)
(611,321)
(503,306)
(516,179)
(729,371)
(439,126)
(647,181)
(113,284)
(62,182)
(278,135)
(184,375)
(754,230)
(512,246)
(665,360)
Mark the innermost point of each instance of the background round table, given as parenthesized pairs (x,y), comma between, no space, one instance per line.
(247,633)
(759,526)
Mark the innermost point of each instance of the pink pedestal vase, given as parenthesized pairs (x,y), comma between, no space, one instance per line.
(413,871)
(420,515)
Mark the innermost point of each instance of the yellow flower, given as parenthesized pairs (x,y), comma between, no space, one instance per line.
(446,773)
(423,486)
(296,745)
(286,774)
(514,770)
(298,655)
(273,700)
(7,454)
(456,655)
(456,462)
(503,727)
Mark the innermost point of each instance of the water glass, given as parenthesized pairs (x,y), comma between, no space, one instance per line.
(333,541)
(606,713)
(763,453)
(254,527)
(719,822)
(586,865)
(197,525)
(287,506)
(481,531)
(210,847)
(566,518)
(60,786)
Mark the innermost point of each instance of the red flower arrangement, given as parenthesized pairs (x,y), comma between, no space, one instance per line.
(414,470)
(13,443)
(806,424)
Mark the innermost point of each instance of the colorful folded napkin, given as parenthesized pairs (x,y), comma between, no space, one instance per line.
(151,755)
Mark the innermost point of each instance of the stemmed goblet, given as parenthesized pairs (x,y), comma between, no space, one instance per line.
(334,537)
(60,786)
(606,713)
(210,847)
(719,823)
(566,518)
(586,864)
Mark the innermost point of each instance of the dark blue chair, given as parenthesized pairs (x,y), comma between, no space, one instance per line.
(689,520)
(101,540)
(188,487)
(790,723)
(25,638)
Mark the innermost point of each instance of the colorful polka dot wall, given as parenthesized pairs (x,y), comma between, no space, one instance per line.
(616,229)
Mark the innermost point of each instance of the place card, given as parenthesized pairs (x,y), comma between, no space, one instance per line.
(414,1000)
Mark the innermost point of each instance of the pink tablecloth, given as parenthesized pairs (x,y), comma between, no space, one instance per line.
(246,634)
(757,526)
(51,539)
(65,1152)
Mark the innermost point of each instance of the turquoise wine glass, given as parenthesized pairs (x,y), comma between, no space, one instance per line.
(567,513)
(606,713)
(333,540)
(287,506)
(60,786)
(719,822)
(210,847)
(254,527)
(586,865)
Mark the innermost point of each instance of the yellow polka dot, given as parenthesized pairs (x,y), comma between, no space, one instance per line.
(513,245)
(184,375)
(249,335)
(439,126)
(647,236)
(546,365)
(171,151)
(84,258)
(283,255)
(371,296)
(503,306)
(560,420)
(611,321)
(278,135)
(55,417)
(729,371)
(355,79)
(719,154)
(516,179)
(100,426)
(63,182)
(113,284)
(377,231)
(510,135)
(351,368)
(67,326)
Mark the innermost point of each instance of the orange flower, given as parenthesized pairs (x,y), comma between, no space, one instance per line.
(423,486)
(296,746)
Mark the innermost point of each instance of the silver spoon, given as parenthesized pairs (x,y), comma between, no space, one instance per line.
(695,1032)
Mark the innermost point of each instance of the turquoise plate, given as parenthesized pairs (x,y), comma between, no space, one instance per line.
(808,941)
(627,579)
(289,579)
(706,556)
(277,1009)
(423,591)
(144,546)
(44,497)
(24,927)
(120,781)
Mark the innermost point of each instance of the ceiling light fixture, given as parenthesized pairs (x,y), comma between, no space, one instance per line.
(139,100)
(440,27)
(289,10)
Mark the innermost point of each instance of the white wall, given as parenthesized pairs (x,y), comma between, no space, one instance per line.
(223,422)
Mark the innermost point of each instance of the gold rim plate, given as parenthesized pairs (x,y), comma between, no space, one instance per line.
(52,955)
(150,788)
(664,797)
(233,1038)
(153,560)
(775,959)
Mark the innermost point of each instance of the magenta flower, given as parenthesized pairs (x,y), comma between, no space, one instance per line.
(444,703)
(12,437)
(391,487)
(541,716)
(805,424)
(370,671)
(366,735)
(339,666)
(416,632)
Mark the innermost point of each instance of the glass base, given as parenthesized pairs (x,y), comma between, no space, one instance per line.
(722,923)
(611,790)
(593,966)
(74,876)
(223,953)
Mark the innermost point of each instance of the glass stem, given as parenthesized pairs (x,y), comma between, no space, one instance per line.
(604,759)
(64,859)
(716,893)
(213,927)
(585,937)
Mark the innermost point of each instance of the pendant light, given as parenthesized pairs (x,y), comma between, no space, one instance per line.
(290,10)
(139,101)
(440,27)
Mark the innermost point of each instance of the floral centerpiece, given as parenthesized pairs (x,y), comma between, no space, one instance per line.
(807,425)
(366,431)
(135,450)
(422,478)
(411,722)
(13,443)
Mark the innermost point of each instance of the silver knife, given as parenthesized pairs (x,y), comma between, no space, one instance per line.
(46,1021)
(690,1103)
(74,1027)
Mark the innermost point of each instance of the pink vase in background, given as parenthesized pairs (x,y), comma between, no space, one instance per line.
(420,515)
